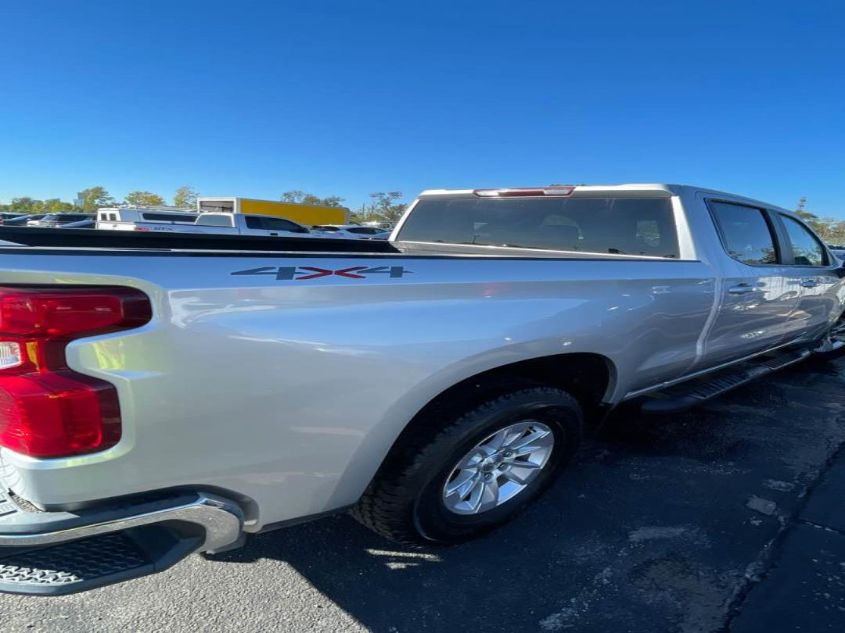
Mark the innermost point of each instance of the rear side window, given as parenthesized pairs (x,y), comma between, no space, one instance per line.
(273,224)
(280,224)
(745,233)
(622,226)
(806,249)
(215,220)
(169,217)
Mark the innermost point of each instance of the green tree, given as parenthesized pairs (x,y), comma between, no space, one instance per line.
(95,197)
(144,199)
(831,231)
(330,201)
(25,204)
(185,198)
(386,205)
(295,195)
(54,205)
(303,197)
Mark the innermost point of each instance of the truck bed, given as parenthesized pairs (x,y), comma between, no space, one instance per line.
(92,238)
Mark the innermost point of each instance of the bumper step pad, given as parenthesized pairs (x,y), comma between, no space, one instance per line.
(73,566)
(94,561)
(55,552)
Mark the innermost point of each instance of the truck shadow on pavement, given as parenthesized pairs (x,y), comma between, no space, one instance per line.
(653,528)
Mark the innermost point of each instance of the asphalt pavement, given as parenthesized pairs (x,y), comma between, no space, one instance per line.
(729,517)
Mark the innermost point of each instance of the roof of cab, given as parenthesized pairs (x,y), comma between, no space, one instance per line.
(651,189)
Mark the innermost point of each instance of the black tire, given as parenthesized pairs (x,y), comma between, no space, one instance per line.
(404,501)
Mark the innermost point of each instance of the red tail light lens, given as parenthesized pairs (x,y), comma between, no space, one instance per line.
(47,409)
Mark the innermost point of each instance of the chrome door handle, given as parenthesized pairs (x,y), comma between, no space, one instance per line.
(742,289)
(809,283)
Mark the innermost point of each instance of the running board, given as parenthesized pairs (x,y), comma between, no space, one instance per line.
(693,392)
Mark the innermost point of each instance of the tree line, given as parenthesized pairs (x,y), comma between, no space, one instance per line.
(93,198)
(383,206)
(831,230)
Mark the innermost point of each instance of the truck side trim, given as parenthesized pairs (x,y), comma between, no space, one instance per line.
(702,372)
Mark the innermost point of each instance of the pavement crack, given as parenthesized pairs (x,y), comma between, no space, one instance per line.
(758,569)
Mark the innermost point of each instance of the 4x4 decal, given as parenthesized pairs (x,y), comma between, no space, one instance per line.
(303,273)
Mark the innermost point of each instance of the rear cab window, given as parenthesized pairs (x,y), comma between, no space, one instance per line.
(636,226)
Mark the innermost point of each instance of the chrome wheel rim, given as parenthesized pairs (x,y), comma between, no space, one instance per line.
(498,468)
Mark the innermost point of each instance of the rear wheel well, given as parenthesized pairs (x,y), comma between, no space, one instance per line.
(586,377)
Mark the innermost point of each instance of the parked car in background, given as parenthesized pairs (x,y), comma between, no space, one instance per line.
(125,218)
(224,223)
(87,223)
(352,231)
(9,216)
(22,219)
(55,220)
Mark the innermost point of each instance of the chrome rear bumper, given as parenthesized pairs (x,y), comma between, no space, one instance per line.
(62,552)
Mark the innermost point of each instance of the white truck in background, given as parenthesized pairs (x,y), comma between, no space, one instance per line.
(232,224)
(125,218)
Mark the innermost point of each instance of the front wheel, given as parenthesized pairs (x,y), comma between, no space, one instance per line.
(473,471)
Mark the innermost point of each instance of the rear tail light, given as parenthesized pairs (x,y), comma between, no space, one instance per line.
(47,409)
(551,190)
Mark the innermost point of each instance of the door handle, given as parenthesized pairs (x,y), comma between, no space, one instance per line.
(809,283)
(742,289)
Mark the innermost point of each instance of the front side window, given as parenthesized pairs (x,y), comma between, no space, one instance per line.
(619,226)
(746,233)
(806,249)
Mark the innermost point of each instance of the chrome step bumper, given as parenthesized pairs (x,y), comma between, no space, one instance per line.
(62,552)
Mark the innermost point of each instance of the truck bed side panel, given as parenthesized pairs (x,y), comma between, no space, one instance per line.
(286,379)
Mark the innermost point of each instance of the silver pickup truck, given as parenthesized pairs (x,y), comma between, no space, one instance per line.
(167,397)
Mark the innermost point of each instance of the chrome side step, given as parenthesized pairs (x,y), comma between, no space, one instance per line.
(693,392)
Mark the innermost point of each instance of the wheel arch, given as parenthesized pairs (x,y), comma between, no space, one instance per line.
(588,377)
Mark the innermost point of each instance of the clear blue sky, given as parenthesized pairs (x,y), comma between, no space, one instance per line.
(254,98)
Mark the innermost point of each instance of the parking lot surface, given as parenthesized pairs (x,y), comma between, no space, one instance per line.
(727,517)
